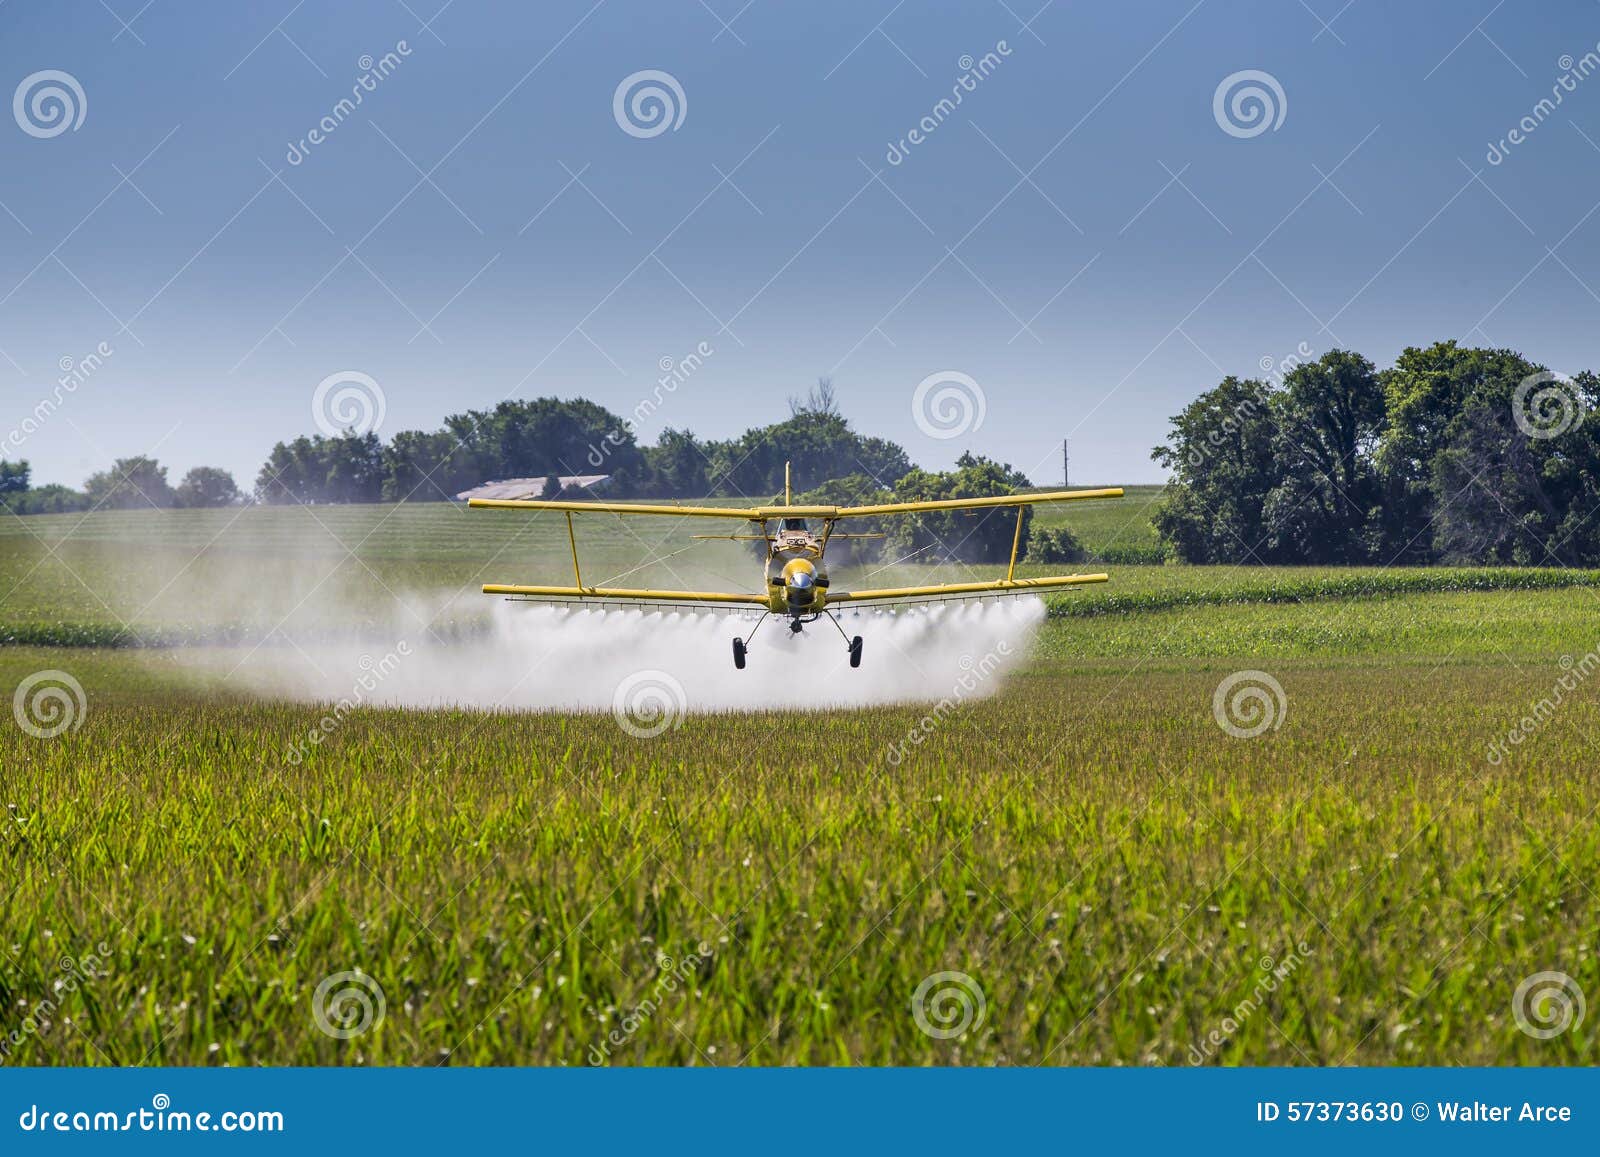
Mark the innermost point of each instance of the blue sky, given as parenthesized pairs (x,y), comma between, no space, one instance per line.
(1081,237)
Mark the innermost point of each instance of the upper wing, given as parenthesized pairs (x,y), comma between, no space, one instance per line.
(590,507)
(967,503)
(624,594)
(766,513)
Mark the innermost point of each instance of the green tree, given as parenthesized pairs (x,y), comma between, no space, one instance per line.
(422,466)
(349,468)
(131,484)
(818,443)
(1224,459)
(207,486)
(1328,418)
(944,536)
(49,499)
(677,465)
(1054,545)
(852,490)
(14,476)
(529,439)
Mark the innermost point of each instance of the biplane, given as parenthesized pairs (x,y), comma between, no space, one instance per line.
(795,586)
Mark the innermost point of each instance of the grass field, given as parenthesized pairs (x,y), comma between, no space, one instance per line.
(1114,875)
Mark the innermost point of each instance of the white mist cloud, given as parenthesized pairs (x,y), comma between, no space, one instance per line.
(533,656)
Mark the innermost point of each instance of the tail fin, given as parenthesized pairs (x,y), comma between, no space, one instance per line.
(788,499)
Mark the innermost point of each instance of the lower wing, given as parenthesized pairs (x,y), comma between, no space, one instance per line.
(964,590)
(730,600)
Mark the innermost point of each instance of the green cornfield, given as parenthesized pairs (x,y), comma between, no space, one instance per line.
(1116,860)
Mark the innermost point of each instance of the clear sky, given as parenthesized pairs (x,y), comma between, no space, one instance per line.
(1085,236)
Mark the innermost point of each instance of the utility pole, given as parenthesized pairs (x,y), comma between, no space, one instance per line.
(1066,465)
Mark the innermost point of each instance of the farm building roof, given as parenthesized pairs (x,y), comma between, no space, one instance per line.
(516,488)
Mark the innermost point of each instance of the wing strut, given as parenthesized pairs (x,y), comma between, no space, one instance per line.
(1016,541)
(572,537)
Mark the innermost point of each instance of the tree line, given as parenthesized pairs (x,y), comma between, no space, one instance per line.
(1452,455)
(553,436)
(131,483)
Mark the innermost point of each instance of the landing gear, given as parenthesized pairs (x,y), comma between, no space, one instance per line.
(852,645)
(741,647)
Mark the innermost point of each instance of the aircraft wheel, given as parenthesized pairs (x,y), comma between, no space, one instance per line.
(738,653)
(855,651)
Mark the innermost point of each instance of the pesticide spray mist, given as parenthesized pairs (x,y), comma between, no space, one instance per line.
(653,664)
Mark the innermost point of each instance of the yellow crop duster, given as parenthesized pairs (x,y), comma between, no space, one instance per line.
(796,578)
